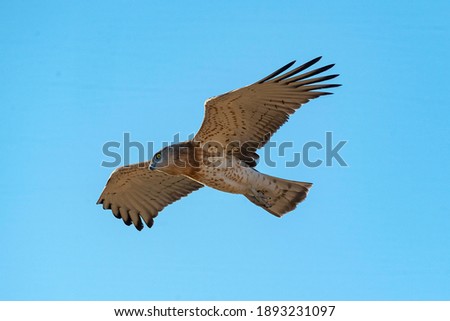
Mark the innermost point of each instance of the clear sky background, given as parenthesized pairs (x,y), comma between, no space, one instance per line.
(77,74)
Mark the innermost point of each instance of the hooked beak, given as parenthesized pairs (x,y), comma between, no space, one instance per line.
(152,166)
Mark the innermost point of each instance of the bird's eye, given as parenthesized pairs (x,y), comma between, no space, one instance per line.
(158,156)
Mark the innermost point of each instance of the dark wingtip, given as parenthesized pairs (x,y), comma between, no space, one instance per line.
(290,64)
(100,201)
(150,223)
(310,63)
(332,76)
(127,222)
(325,93)
(325,68)
(277,72)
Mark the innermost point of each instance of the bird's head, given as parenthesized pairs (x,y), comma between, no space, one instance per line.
(173,159)
(160,160)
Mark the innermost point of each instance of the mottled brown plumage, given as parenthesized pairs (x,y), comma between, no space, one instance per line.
(223,152)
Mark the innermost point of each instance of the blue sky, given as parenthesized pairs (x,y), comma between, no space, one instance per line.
(75,75)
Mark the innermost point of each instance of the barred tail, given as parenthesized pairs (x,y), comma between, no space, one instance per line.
(280,196)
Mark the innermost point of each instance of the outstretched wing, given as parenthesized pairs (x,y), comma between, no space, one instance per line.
(135,191)
(252,114)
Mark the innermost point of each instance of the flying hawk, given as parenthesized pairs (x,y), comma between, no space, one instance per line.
(222,154)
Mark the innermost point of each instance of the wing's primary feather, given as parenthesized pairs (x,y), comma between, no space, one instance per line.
(252,114)
(135,191)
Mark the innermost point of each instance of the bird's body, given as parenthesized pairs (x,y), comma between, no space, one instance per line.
(222,154)
(215,169)
(234,179)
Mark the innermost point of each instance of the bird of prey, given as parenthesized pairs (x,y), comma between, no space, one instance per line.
(222,154)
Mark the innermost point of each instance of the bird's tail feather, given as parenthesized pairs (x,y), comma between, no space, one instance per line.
(280,197)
